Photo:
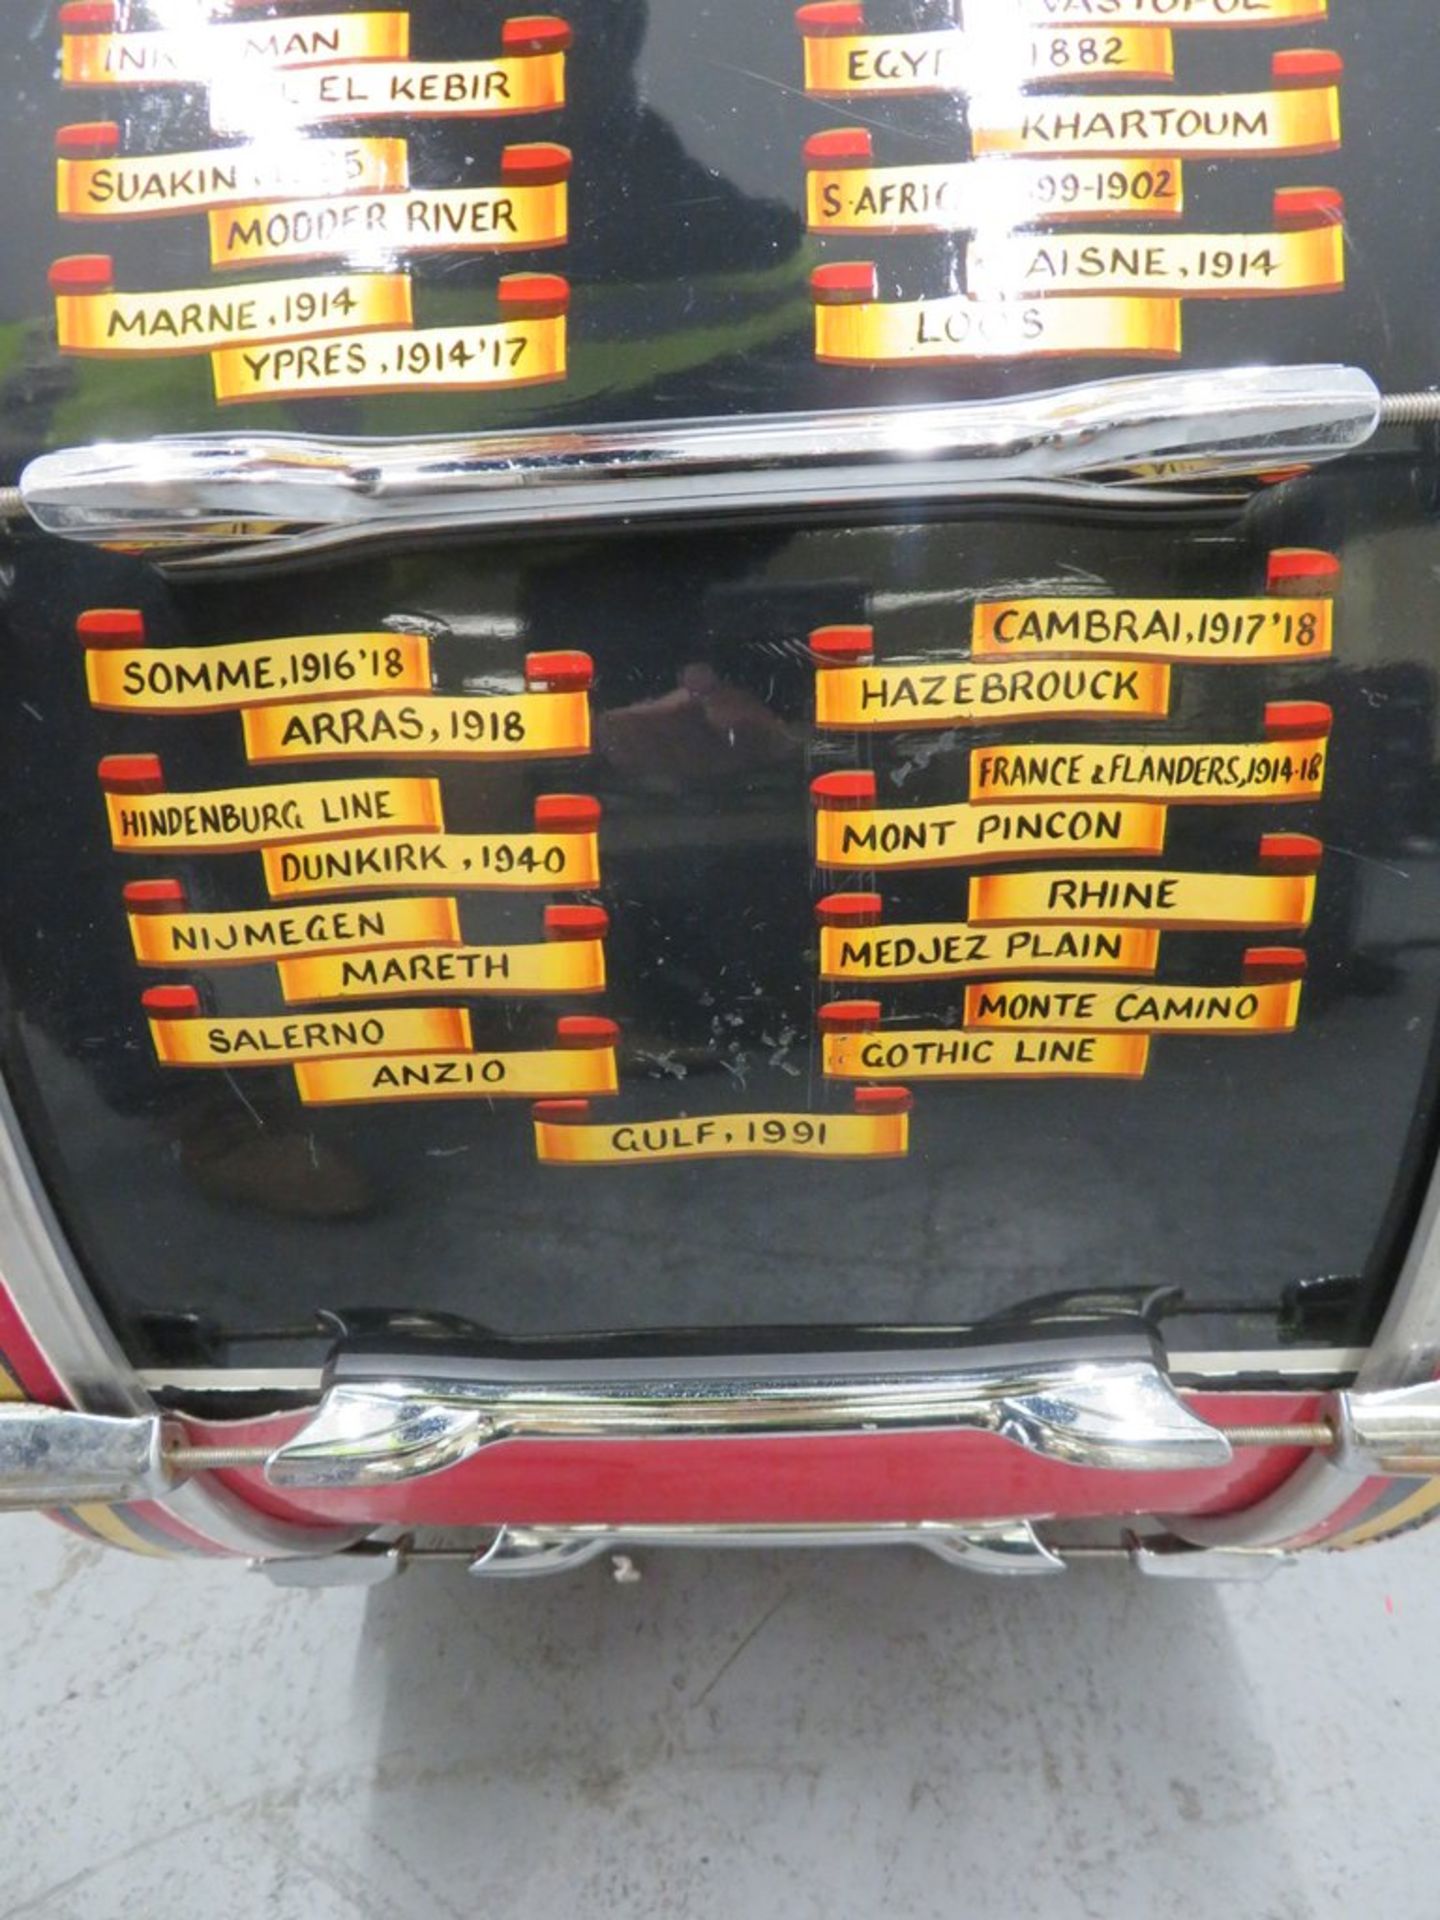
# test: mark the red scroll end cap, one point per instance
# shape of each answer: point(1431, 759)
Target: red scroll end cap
point(848, 1016)
point(840, 147)
point(535, 33)
point(88, 140)
point(566, 813)
point(1266, 966)
point(1306, 67)
point(561, 672)
point(105, 627)
point(533, 296)
point(1302, 571)
point(1291, 853)
point(170, 1003)
point(1298, 720)
point(830, 19)
point(153, 896)
point(883, 1099)
point(1299, 207)
point(855, 789)
point(849, 910)
point(586, 1030)
point(132, 773)
point(842, 646)
point(576, 923)
point(848, 283)
point(563, 1113)
point(535, 163)
point(83, 273)
point(89, 16)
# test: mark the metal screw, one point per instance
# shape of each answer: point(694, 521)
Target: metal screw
point(215, 1459)
point(1409, 409)
point(1313, 1433)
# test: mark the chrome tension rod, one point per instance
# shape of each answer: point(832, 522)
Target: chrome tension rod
point(254, 498)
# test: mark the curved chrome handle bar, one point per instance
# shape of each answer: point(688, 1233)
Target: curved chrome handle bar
point(286, 494)
point(1105, 1404)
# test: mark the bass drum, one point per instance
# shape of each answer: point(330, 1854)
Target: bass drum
point(719, 780)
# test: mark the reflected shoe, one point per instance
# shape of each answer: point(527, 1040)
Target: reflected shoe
point(276, 1171)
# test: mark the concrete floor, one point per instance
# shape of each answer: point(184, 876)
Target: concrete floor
point(855, 1734)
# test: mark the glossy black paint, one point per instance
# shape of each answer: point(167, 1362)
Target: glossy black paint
point(1239, 1167)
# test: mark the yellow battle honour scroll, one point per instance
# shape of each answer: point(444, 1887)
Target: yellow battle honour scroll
point(1301, 251)
point(852, 832)
point(1277, 897)
point(1178, 14)
point(527, 76)
point(1288, 764)
point(165, 931)
point(580, 1063)
point(529, 208)
point(853, 692)
point(857, 942)
point(95, 52)
point(94, 318)
point(850, 189)
point(844, 57)
point(560, 854)
point(854, 1047)
point(569, 958)
point(854, 326)
point(145, 817)
point(1007, 816)
point(94, 180)
point(549, 719)
point(1298, 113)
point(124, 673)
point(526, 345)
point(1267, 1000)
point(184, 1036)
point(1293, 622)
point(877, 1127)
